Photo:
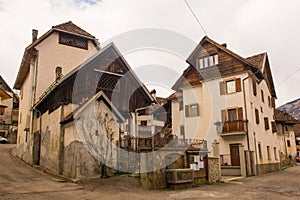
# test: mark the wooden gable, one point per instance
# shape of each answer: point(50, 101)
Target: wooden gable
point(228, 63)
point(107, 72)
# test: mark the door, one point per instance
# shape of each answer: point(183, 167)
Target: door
point(234, 155)
point(36, 148)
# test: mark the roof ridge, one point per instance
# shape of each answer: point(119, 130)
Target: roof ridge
point(72, 28)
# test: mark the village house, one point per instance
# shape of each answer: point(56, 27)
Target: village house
point(229, 101)
point(9, 108)
point(73, 92)
point(285, 125)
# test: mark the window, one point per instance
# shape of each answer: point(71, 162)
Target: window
point(262, 96)
point(58, 72)
point(288, 143)
point(230, 86)
point(273, 127)
point(268, 153)
point(144, 123)
point(259, 151)
point(232, 115)
point(2, 110)
point(261, 109)
point(256, 116)
point(254, 87)
point(266, 123)
point(275, 154)
point(208, 61)
point(72, 40)
point(269, 101)
point(192, 110)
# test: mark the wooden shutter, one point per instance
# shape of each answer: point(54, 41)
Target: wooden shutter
point(223, 115)
point(187, 111)
point(254, 87)
point(274, 127)
point(240, 113)
point(238, 85)
point(222, 88)
point(256, 116)
point(273, 102)
point(266, 123)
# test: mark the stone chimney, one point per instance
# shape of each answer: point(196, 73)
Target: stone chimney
point(34, 34)
point(153, 93)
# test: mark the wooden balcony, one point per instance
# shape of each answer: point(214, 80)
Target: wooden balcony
point(228, 128)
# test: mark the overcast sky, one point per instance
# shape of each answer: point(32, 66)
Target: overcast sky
point(247, 26)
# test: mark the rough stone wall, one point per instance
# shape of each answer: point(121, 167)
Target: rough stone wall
point(214, 170)
point(78, 163)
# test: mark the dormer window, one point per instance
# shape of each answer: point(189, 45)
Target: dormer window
point(208, 61)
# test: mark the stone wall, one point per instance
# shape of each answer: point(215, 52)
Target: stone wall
point(214, 170)
point(267, 168)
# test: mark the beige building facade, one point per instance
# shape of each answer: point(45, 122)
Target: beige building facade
point(226, 99)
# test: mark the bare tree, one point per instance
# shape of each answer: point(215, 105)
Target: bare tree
point(97, 134)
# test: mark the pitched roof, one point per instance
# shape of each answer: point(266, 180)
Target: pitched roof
point(89, 63)
point(257, 60)
point(100, 96)
point(30, 52)
point(281, 116)
point(207, 72)
point(72, 28)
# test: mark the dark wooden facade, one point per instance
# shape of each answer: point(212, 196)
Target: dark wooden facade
point(107, 72)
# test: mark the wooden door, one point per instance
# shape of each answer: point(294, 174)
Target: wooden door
point(234, 155)
point(36, 148)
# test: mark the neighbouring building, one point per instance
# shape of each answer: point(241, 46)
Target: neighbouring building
point(285, 125)
point(228, 100)
point(73, 92)
point(9, 108)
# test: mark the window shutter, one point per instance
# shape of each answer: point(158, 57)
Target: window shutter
point(187, 111)
point(223, 115)
point(273, 102)
point(240, 114)
point(266, 123)
point(238, 85)
point(274, 127)
point(222, 88)
point(254, 87)
point(256, 116)
point(198, 113)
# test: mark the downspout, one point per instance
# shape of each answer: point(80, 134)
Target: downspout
point(284, 139)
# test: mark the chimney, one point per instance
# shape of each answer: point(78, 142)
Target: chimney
point(224, 45)
point(153, 93)
point(34, 34)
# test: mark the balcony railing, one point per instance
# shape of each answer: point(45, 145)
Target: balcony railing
point(236, 126)
point(160, 142)
point(4, 127)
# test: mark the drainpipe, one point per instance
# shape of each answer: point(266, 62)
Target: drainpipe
point(284, 139)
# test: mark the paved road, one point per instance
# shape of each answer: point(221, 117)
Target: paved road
point(19, 181)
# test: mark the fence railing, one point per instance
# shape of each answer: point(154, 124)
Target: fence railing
point(160, 142)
